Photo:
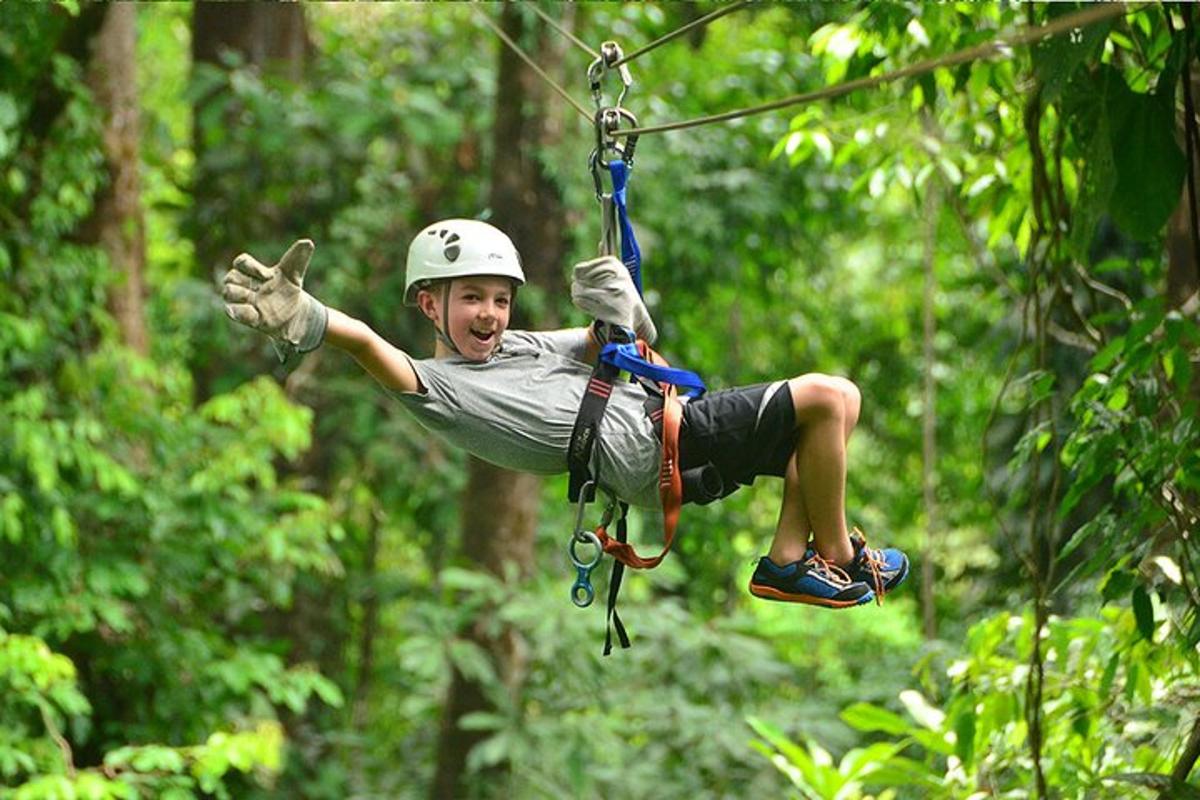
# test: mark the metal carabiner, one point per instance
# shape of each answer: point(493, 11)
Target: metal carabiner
point(626, 147)
point(595, 76)
point(586, 492)
point(611, 52)
point(597, 175)
point(606, 121)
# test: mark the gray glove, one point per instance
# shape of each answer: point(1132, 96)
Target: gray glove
point(273, 300)
point(603, 289)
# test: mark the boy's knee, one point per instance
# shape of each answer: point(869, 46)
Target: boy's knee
point(816, 396)
point(852, 398)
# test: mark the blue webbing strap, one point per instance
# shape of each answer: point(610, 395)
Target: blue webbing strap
point(626, 356)
point(631, 254)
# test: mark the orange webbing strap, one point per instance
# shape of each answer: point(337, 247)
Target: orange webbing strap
point(670, 480)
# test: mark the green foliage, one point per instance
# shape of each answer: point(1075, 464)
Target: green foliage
point(133, 522)
point(142, 535)
point(33, 676)
point(811, 769)
point(1041, 171)
point(1114, 711)
point(1136, 444)
point(193, 554)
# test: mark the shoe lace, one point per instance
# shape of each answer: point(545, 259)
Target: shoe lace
point(828, 569)
point(872, 559)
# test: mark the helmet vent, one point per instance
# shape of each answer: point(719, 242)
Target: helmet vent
point(452, 250)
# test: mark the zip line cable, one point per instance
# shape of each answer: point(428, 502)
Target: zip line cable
point(1081, 19)
point(553, 23)
point(583, 45)
point(998, 45)
point(641, 51)
point(504, 37)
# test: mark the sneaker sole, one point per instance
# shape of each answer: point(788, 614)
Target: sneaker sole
point(771, 593)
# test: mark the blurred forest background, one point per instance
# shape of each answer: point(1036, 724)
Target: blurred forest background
point(222, 578)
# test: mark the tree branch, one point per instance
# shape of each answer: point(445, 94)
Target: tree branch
point(1187, 759)
point(63, 745)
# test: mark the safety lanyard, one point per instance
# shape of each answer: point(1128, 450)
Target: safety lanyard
point(622, 352)
point(625, 355)
point(631, 254)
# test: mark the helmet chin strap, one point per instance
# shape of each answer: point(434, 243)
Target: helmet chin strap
point(441, 332)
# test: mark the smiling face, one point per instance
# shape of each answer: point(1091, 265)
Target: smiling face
point(473, 312)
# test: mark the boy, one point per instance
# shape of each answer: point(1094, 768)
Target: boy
point(511, 397)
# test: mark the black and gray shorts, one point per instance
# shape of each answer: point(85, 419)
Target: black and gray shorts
point(743, 433)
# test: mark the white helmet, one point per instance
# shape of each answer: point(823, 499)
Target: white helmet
point(456, 248)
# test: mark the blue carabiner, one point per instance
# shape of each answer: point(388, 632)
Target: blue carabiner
point(582, 592)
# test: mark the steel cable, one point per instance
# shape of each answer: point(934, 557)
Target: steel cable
point(553, 23)
point(707, 18)
point(1081, 19)
point(504, 37)
point(1000, 44)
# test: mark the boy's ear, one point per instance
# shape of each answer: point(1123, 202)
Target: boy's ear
point(427, 301)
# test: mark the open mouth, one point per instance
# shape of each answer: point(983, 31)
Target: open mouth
point(483, 338)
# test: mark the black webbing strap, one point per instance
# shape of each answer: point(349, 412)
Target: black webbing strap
point(587, 421)
point(579, 464)
point(587, 428)
point(614, 588)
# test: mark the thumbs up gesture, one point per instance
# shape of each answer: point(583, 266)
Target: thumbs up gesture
point(273, 300)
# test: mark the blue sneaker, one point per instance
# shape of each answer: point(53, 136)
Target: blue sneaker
point(883, 569)
point(813, 581)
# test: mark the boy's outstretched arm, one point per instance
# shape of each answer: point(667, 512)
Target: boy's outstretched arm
point(387, 364)
point(272, 300)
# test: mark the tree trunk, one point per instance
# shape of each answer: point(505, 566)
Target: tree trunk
point(499, 508)
point(270, 36)
point(1183, 238)
point(526, 203)
point(499, 518)
point(1183, 273)
point(117, 224)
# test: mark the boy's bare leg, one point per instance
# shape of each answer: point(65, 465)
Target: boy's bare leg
point(826, 412)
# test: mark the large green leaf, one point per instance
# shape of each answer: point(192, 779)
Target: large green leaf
point(1150, 166)
point(1055, 59)
point(1143, 612)
point(1097, 181)
point(964, 732)
point(866, 717)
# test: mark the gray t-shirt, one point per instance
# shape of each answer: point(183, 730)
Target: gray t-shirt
point(517, 409)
